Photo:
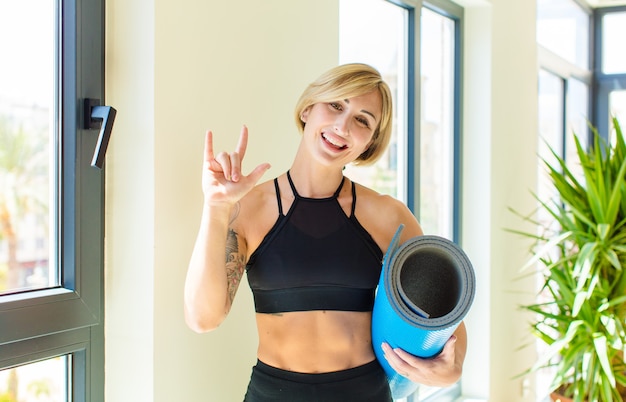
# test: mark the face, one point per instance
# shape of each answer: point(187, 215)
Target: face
point(338, 132)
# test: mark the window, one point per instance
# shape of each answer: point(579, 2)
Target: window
point(44, 379)
point(565, 77)
point(617, 104)
point(439, 119)
point(613, 30)
point(382, 26)
point(416, 47)
point(563, 28)
point(51, 202)
point(611, 68)
point(25, 112)
point(429, 189)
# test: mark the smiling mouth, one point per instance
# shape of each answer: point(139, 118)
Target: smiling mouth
point(333, 143)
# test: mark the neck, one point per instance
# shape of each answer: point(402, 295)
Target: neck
point(315, 182)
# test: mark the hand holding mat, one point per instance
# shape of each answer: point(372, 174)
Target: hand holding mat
point(426, 287)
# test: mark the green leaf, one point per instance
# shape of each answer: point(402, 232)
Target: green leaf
point(584, 263)
point(579, 300)
point(616, 195)
point(594, 195)
point(556, 347)
point(606, 392)
point(599, 341)
point(603, 230)
point(617, 301)
point(613, 259)
point(545, 249)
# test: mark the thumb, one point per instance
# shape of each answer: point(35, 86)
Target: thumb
point(450, 345)
point(256, 174)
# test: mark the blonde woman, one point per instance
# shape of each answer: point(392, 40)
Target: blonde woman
point(311, 242)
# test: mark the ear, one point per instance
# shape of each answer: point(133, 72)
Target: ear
point(305, 114)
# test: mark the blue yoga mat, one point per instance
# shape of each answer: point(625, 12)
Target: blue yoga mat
point(426, 287)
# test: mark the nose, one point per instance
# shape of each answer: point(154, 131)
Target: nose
point(341, 125)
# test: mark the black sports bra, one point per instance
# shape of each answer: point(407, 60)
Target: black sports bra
point(315, 258)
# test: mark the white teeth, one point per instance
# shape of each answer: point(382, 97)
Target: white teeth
point(332, 142)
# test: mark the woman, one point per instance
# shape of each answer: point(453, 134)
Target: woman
point(311, 242)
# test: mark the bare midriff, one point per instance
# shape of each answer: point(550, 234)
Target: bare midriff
point(315, 341)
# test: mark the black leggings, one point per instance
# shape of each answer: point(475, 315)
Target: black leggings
point(367, 383)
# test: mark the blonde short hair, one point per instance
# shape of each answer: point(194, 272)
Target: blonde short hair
point(347, 81)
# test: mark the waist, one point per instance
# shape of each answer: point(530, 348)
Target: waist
point(319, 378)
point(315, 341)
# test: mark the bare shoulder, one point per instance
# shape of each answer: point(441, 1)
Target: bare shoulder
point(256, 214)
point(259, 194)
point(382, 214)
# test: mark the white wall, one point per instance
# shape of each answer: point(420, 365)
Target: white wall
point(130, 205)
point(175, 69)
point(513, 174)
point(499, 170)
point(476, 214)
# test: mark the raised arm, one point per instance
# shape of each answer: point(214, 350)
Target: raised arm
point(218, 258)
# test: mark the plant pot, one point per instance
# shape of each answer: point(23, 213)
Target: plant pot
point(556, 397)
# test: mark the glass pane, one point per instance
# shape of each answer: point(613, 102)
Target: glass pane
point(563, 28)
point(44, 381)
point(551, 108)
point(577, 118)
point(437, 124)
point(27, 93)
point(613, 34)
point(374, 32)
point(617, 108)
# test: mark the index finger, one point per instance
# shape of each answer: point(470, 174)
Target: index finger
point(208, 146)
point(243, 142)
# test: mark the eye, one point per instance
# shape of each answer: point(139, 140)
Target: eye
point(335, 105)
point(363, 121)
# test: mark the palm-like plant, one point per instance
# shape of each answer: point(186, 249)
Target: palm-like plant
point(583, 319)
point(23, 188)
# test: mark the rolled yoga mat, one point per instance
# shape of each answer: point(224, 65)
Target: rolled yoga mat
point(426, 287)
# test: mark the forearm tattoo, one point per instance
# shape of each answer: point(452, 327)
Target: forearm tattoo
point(235, 263)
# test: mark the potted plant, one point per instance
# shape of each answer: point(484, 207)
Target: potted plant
point(581, 254)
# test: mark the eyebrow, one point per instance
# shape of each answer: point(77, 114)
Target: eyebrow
point(363, 110)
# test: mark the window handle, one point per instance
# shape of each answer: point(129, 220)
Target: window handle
point(94, 113)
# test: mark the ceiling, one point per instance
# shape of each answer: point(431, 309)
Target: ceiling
point(605, 3)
